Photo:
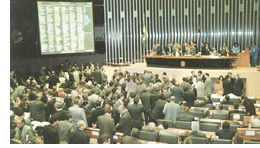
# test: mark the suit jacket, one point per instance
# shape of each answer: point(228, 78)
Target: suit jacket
point(61, 115)
point(200, 86)
point(154, 97)
point(185, 86)
point(178, 93)
point(125, 124)
point(171, 110)
point(78, 114)
point(227, 87)
point(131, 87)
point(204, 51)
point(79, 137)
point(95, 113)
point(131, 140)
point(50, 110)
point(27, 130)
point(136, 111)
point(146, 79)
point(166, 94)
point(157, 109)
point(250, 108)
point(53, 80)
point(108, 101)
point(189, 97)
point(64, 129)
point(50, 135)
point(37, 109)
point(238, 87)
point(208, 84)
point(227, 102)
point(196, 134)
point(185, 117)
point(92, 99)
point(140, 90)
point(145, 97)
point(225, 133)
point(44, 98)
point(97, 76)
point(168, 50)
point(106, 125)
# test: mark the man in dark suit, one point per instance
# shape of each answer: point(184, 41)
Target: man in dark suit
point(225, 132)
point(60, 114)
point(108, 98)
point(155, 96)
point(145, 97)
point(37, 108)
point(157, 110)
point(45, 95)
point(205, 50)
point(53, 80)
point(227, 100)
point(189, 97)
point(98, 111)
point(236, 106)
point(249, 105)
point(50, 110)
point(238, 87)
point(50, 133)
point(133, 138)
point(79, 136)
point(166, 94)
point(140, 88)
point(125, 122)
point(185, 116)
point(106, 124)
point(136, 111)
point(177, 92)
point(168, 49)
point(64, 128)
point(87, 110)
point(227, 86)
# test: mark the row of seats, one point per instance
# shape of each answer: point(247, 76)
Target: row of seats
point(213, 127)
point(234, 100)
point(173, 139)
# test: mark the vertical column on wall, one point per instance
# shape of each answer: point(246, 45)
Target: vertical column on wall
point(246, 22)
point(251, 10)
point(164, 13)
point(242, 23)
point(109, 22)
point(257, 33)
point(174, 22)
point(148, 17)
point(168, 20)
point(139, 14)
point(128, 32)
point(125, 31)
point(122, 31)
point(106, 37)
point(134, 29)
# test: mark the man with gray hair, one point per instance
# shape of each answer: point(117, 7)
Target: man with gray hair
point(238, 86)
point(125, 122)
point(24, 133)
point(60, 114)
point(195, 131)
point(79, 136)
point(235, 120)
point(77, 112)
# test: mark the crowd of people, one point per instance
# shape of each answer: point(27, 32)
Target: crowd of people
point(74, 97)
point(190, 49)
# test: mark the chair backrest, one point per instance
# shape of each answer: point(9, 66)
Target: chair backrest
point(241, 116)
point(149, 136)
point(253, 99)
point(235, 100)
point(197, 140)
point(170, 139)
point(210, 106)
point(183, 125)
point(215, 99)
point(200, 98)
point(226, 106)
point(234, 127)
point(220, 141)
point(209, 127)
point(160, 121)
point(219, 116)
point(251, 142)
point(197, 114)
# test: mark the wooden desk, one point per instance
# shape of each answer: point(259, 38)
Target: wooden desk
point(94, 133)
point(189, 61)
point(249, 134)
point(246, 120)
point(243, 59)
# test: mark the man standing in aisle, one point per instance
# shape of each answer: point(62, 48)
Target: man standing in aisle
point(254, 54)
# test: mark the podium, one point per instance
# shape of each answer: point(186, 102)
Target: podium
point(243, 59)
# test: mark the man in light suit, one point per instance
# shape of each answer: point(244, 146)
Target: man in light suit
point(22, 131)
point(171, 110)
point(131, 86)
point(38, 108)
point(77, 113)
point(140, 88)
point(106, 124)
point(146, 77)
point(208, 84)
point(200, 86)
point(92, 98)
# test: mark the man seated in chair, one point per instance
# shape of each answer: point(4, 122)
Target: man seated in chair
point(133, 138)
point(166, 131)
point(236, 106)
point(219, 110)
point(225, 132)
point(185, 116)
point(235, 120)
point(195, 132)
